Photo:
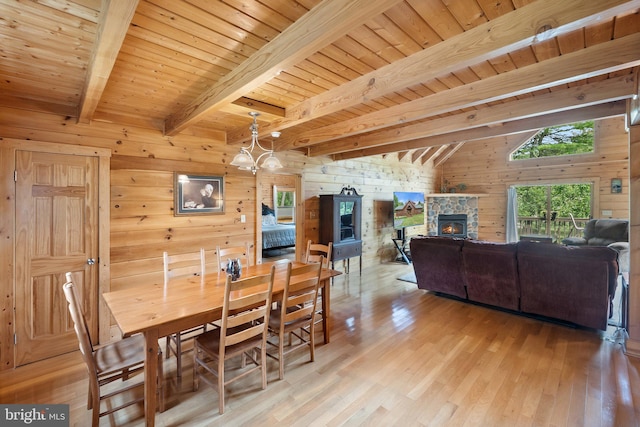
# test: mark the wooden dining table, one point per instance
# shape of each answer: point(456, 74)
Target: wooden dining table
point(156, 310)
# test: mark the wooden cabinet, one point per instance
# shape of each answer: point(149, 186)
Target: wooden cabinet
point(340, 223)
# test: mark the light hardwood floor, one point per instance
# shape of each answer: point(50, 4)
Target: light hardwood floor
point(398, 356)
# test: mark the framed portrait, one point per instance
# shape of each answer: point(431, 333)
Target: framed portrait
point(616, 185)
point(198, 194)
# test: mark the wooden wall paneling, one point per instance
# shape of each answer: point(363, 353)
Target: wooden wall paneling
point(486, 162)
point(7, 239)
point(633, 343)
point(142, 224)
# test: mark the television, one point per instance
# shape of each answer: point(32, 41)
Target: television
point(408, 209)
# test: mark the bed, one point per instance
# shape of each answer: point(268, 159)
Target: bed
point(277, 235)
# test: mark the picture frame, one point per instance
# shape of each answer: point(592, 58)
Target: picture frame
point(616, 185)
point(198, 194)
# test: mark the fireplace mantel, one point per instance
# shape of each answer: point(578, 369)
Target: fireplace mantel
point(454, 195)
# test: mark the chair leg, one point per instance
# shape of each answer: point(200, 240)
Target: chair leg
point(179, 356)
point(168, 347)
point(221, 385)
point(281, 354)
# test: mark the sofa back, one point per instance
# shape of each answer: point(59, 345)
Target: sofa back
point(491, 273)
point(602, 232)
point(569, 283)
point(437, 262)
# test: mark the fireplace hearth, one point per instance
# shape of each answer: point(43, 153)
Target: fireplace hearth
point(452, 225)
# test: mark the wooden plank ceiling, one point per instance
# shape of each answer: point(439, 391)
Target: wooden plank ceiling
point(344, 78)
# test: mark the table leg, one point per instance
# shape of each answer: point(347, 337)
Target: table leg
point(326, 309)
point(150, 375)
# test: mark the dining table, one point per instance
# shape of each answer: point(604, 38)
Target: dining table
point(157, 310)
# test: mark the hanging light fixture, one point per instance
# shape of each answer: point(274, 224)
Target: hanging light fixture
point(245, 160)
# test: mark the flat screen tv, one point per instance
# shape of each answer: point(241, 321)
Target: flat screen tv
point(408, 209)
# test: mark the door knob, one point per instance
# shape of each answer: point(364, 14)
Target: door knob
point(91, 261)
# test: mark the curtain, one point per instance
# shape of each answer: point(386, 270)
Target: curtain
point(512, 215)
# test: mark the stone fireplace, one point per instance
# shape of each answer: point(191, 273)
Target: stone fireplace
point(452, 204)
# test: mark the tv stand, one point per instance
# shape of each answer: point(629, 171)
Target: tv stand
point(404, 255)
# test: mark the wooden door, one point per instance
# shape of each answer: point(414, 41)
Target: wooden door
point(56, 232)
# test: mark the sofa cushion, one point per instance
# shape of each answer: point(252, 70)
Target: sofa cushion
point(437, 262)
point(570, 283)
point(602, 232)
point(491, 273)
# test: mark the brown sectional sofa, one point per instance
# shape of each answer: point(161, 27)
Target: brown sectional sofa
point(571, 284)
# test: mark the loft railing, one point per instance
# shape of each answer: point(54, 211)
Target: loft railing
point(559, 228)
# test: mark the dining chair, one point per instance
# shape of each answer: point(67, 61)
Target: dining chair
point(178, 266)
point(242, 252)
point(120, 360)
point(317, 250)
point(295, 314)
point(575, 226)
point(242, 332)
point(313, 254)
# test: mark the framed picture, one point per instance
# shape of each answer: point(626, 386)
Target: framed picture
point(616, 185)
point(198, 194)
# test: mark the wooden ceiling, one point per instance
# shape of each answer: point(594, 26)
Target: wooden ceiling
point(345, 78)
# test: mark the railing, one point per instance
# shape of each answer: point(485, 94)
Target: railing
point(559, 228)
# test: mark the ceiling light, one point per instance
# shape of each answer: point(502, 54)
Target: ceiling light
point(245, 160)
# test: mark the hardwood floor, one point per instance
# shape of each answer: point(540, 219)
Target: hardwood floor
point(398, 356)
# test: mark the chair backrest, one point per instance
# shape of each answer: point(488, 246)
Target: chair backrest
point(316, 250)
point(300, 293)
point(245, 313)
point(242, 252)
point(81, 328)
point(573, 220)
point(182, 265)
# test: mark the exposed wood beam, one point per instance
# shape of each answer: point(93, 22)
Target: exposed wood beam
point(402, 155)
point(536, 22)
point(575, 66)
point(113, 24)
point(417, 154)
point(570, 116)
point(249, 104)
point(574, 97)
point(446, 155)
point(434, 155)
point(313, 31)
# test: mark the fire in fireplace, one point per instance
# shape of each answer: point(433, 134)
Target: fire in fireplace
point(452, 225)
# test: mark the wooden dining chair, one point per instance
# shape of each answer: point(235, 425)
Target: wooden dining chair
point(296, 313)
point(120, 360)
point(242, 252)
point(243, 332)
point(179, 266)
point(317, 250)
point(314, 252)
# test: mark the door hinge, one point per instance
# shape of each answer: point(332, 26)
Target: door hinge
point(15, 176)
point(15, 339)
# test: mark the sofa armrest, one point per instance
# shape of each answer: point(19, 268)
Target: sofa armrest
point(574, 241)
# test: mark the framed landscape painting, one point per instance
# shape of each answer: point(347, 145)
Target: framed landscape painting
point(198, 194)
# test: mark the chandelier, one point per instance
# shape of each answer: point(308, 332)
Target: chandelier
point(245, 160)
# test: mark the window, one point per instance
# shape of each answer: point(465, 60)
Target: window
point(574, 138)
point(545, 209)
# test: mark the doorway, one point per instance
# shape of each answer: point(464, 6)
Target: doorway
point(57, 220)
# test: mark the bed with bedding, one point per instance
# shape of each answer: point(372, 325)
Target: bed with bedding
point(277, 235)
